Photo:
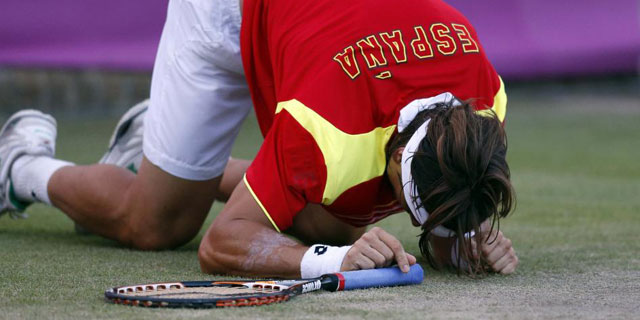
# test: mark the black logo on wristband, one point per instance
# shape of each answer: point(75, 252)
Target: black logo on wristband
point(320, 250)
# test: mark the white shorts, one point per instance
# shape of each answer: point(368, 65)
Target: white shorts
point(199, 96)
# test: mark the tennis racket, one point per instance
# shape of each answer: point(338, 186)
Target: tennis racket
point(234, 293)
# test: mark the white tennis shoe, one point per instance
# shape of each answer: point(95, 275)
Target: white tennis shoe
point(27, 132)
point(125, 146)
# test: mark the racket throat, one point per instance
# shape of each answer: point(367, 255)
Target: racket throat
point(332, 282)
point(312, 286)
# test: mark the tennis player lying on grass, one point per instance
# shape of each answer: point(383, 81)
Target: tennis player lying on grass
point(362, 107)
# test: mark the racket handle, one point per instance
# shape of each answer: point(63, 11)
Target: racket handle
point(383, 277)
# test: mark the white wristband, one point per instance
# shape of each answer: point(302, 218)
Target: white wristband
point(322, 259)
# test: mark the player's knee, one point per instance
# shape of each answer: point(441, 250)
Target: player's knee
point(158, 234)
point(150, 240)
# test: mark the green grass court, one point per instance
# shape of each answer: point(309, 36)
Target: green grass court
point(574, 158)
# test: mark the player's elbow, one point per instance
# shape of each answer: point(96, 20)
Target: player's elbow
point(204, 257)
point(209, 257)
point(211, 253)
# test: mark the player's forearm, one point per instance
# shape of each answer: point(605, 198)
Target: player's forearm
point(246, 248)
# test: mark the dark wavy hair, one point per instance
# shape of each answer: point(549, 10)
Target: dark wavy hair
point(461, 173)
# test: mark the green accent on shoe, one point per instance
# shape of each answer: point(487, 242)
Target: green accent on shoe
point(19, 204)
point(132, 168)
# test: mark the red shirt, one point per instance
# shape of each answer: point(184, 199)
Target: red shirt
point(328, 79)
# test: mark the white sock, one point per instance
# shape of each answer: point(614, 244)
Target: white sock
point(30, 176)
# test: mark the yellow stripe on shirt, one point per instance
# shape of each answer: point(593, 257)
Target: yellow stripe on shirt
point(499, 104)
point(351, 159)
point(266, 213)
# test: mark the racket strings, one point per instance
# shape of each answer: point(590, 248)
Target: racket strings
point(198, 292)
point(205, 295)
point(220, 295)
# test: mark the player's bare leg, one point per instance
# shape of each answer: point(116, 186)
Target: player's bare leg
point(150, 210)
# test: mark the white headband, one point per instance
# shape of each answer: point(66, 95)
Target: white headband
point(410, 111)
point(410, 190)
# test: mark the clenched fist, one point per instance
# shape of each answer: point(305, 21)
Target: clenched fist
point(497, 252)
point(375, 249)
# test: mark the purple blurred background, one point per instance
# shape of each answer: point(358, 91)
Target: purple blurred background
point(523, 38)
point(529, 38)
point(110, 34)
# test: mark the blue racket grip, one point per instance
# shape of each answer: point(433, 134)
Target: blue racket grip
point(383, 277)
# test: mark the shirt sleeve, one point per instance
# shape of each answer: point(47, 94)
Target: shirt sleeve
point(287, 173)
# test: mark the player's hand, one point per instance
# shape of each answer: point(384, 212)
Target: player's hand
point(497, 252)
point(375, 249)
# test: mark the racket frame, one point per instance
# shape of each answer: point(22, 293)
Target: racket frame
point(274, 291)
